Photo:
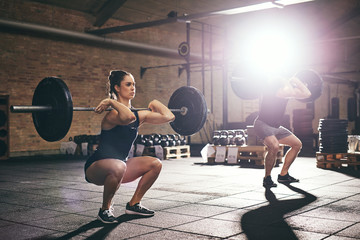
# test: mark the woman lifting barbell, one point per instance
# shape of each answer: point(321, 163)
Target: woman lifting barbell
point(109, 166)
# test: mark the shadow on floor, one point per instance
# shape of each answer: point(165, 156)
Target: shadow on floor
point(348, 171)
point(268, 222)
point(102, 233)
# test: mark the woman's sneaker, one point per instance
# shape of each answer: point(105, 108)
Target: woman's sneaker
point(106, 216)
point(137, 209)
point(287, 179)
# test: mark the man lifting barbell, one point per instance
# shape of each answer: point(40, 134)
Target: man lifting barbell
point(305, 85)
point(109, 165)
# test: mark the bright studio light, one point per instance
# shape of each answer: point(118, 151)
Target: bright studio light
point(269, 51)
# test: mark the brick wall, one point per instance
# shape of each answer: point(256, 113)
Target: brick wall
point(27, 59)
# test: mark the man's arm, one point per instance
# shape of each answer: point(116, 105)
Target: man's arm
point(294, 88)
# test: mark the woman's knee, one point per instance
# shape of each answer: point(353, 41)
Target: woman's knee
point(156, 164)
point(118, 172)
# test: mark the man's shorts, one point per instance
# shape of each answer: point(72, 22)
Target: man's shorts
point(263, 130)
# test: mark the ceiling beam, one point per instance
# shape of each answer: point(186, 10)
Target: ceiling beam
point(246, 6)
point(355, 12)
point(107, 11)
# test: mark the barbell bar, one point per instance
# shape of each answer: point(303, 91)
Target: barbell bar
point(31, 109)
point(249, 86)
point(52, 109)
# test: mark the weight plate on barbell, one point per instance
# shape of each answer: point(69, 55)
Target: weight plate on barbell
point(196, 115)
point(3, 148)
point(313, 81)
point(53, 125)
point(3, 118)
point(245, 88)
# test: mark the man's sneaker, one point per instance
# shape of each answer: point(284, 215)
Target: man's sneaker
point(106, 216)
point(137, 209)
point(287, 179)
point(268, 182)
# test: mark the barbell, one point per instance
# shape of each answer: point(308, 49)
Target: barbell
point(52, 109)
point(248, 86)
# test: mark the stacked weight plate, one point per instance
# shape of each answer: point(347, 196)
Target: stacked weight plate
point(302, 125)
point(333, 136)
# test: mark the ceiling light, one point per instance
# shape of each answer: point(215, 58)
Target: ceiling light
point(261, 6)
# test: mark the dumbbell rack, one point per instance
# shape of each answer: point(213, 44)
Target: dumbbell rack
point(174, 152)
point(249, 155)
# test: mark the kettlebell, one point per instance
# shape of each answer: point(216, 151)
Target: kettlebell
point(239, 138)
point(215, 139)
point(224, 140)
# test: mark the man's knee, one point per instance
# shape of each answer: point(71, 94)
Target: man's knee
point(297, 146)
point(273, 148)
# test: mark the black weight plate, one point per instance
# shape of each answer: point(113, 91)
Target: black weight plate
point(314, 83)
point(332, 125)
point(337, 129)
point(332, 121)
point(330, 134)
point(194, 101)
point(53, 125)
point(3, 118)
point(351, 109)
point(333, 141)
point(3, 133)
point(245, 88)
point(246, 84)
point(3, 148)
point(332, 150)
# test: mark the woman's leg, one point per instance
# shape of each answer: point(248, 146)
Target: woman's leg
point(148, 168)
point(108, 173)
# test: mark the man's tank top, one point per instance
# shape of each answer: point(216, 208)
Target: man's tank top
point(272, 108)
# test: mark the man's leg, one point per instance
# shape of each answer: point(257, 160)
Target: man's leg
point(272, 145)
point(295, 147)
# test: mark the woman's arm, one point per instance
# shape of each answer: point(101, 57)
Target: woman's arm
point(294, 88)
point(121, 115)
point(159, 114)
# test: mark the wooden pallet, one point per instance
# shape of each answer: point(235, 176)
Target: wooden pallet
point(175, 152)
point(250, 155)
point(338, 160)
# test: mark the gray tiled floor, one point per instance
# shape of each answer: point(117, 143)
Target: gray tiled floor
point(48, 198)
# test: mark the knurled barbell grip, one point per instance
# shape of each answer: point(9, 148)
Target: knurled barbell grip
point(182, 110)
